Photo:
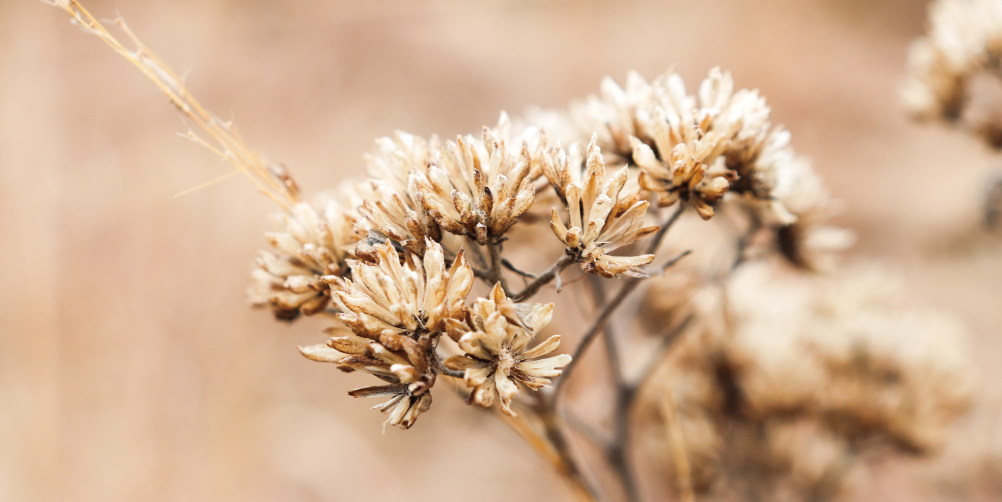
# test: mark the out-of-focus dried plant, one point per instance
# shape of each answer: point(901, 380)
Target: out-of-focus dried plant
point(744, 337)
point(955, 75)
point(748, 389)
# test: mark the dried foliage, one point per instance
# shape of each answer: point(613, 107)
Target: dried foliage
point(748, 388)
point(738, 402)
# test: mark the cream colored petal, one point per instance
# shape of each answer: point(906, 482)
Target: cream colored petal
point(544, 347)
point(321, 353)
point(507, 390)
point(483, 395)
point(545, 368)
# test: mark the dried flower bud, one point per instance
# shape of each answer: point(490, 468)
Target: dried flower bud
point(406, 362)
point(480, 187)
point(392, 298)
point(392, 204)
point(601, 218)
point(496, 360)
point(314, 242)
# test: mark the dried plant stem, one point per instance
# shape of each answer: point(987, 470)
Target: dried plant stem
point(993, 204)
point(552, 446)
point(497, 275)
point(617, 451)
point(658, 237)
point(628, 287)
point(271, 181)
point(626, 392)
point(683, 470)
point(545, 278)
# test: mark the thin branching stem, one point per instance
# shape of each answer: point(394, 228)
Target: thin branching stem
point(617, 450)
point(569, 467)
point(624, 291)
point(658, 237)
point(510, 266)
point(543, 279)
point(661, 351)
point(497, 275)
point(269, 180)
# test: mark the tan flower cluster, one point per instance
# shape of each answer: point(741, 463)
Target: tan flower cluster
point(401, 309)
point(747, 390)
point(385, 267)
point(315, 241)
point(397, 312)
point(392, 204)
point(497, 358)
point(479, 188)
point(964, 38)
point(601, 218)
point(691, 148)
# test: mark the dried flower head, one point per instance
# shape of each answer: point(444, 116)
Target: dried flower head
point(965, 37)
point(392, 204)
point(313, 243)
point(890, 377)
point(390, 297)
point(601, 218)
point(811, 241)
point(497, 359)
point(401, 309)
point(407, 363)
point(479, 188)
point(690, 148)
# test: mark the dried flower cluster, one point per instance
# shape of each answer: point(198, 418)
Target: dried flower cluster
point(395, 258)
point(951, 64)
point(747, 390)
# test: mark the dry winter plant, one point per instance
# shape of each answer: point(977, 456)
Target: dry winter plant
point(956, 76)
point(689, 209)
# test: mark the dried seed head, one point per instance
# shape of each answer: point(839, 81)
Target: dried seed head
point(316, 240)
point(603, 213)
point(480, 187)
point(497, 358)
point(397, 309)
point(391, 204)
point(964, 39)
point(390, 297)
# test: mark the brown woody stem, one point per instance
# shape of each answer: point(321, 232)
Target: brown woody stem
point(497, 275)
point(545, 278)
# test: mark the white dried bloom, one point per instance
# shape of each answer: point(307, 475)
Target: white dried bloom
point(392, 204)
point(315, 241)
point(400, 310)
point(901, 375)
point(479, 188)
point(497, 358)
point(601, 218)
point(810, 241)
point(390, 297)
point(965, 37)
point(806, 368)
point(616, 115)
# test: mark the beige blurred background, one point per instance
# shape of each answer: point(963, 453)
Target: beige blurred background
point(130, 366)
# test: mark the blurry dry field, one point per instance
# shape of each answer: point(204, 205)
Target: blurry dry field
point(130, 365)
